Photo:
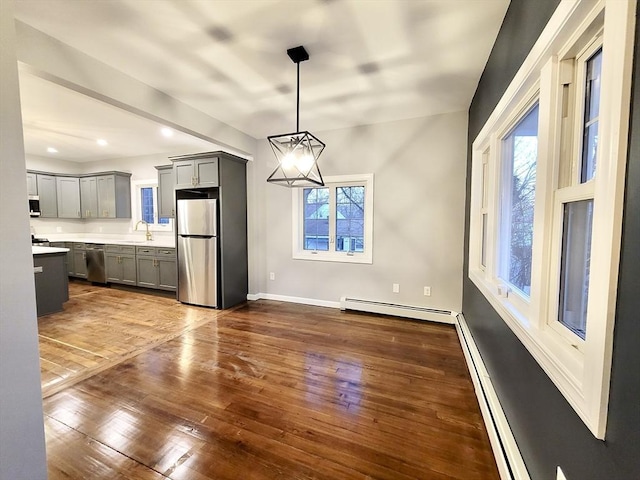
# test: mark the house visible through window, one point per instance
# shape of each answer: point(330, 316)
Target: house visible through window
point(334, 222)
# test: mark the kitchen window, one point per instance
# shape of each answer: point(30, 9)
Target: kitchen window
point(146, 206)
point(547, 190)
point(335, 222)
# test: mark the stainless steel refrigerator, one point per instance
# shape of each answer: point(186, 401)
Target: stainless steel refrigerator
point(197, 244)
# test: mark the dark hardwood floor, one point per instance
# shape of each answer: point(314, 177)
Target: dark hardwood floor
point(272, 390)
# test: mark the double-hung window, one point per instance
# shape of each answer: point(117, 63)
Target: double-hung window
point(547, 190)
point(334, 222)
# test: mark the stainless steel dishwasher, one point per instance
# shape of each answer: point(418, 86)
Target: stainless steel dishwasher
point(95, 263)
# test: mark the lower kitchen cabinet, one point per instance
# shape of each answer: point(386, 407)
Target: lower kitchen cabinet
point(68, 259)
point(156, 268)
point(79, 261)
point(120, 264)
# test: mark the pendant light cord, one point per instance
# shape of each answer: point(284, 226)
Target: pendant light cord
point(298, 101)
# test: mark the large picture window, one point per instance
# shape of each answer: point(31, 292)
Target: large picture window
point(547, 190)
point(334, 222)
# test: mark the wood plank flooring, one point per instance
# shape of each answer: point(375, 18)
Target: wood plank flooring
point(101, 326)
point(267, 391)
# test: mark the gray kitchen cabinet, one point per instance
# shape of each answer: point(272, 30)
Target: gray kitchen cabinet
point(79, 260)
point(195, 172)
point(68, 197)
point(147, 275)
point(89, 197)
point(51, 282)
point(167, 268)
point(114, 195)
point(68, 259)
point(120, 264)
point(156, 268)
point(232, 197)
point(166, 192)
point(32, 184)
point(48, 196)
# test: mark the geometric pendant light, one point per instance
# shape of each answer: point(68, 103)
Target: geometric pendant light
point(297, 153)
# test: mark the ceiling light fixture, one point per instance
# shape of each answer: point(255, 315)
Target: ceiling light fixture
point(102, 142)
point(51, 150)
point(297, 153)
point(167, 132)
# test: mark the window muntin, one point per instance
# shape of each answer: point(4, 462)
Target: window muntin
point(519, 160)
point(575, 266)
point(334, 222)
point(591, 116)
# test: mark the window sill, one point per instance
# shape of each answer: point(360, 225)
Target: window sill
point(563, 364)
point(334, 257)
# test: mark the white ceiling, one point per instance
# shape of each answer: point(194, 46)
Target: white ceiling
point(371, 61)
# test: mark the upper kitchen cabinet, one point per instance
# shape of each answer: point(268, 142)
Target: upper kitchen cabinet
point(114, 195)
point(68, 193)
point(89, 197)
point(166, 194)
point(195, 171)
point(48, 197)
point(32, 184)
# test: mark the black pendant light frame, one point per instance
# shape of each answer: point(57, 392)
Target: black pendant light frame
point(285, 144)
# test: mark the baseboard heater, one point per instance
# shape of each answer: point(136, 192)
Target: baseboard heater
point(509, 460)
point(398, 310)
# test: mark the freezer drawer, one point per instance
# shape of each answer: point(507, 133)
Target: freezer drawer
point(197, 270)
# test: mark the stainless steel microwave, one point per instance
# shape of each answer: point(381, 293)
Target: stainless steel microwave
point(34, 205)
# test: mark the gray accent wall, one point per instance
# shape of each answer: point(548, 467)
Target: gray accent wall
point(548, 432)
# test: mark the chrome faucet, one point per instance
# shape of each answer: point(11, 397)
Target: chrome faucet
point(148, 234)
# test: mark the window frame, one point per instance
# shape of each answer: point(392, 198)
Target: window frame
point(333, 182)
point(136, 209)
point(577, 29)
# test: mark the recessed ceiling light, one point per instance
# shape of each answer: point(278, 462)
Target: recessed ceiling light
point(102, 142)
point(167, 132)
point(51, 150)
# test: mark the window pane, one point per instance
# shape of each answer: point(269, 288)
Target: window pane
point(591, 116)
point(146, 196)
point(483, 259)
point(520, 153)
point(350, 219)
point(574, 272)
point(316, 218)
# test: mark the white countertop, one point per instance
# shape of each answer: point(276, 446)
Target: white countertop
point(35, 250)
point(135, 240)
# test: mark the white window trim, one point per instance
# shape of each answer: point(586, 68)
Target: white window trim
point(136, 211)
point(582, 376)
point(299, 253)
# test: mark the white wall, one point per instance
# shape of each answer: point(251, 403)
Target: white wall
point(419, 169)
point(22, 447)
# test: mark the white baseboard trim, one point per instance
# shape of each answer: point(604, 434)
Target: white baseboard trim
point(505, 449)
point(286, 298)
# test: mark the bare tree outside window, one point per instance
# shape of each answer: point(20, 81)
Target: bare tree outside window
point(520, 154)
